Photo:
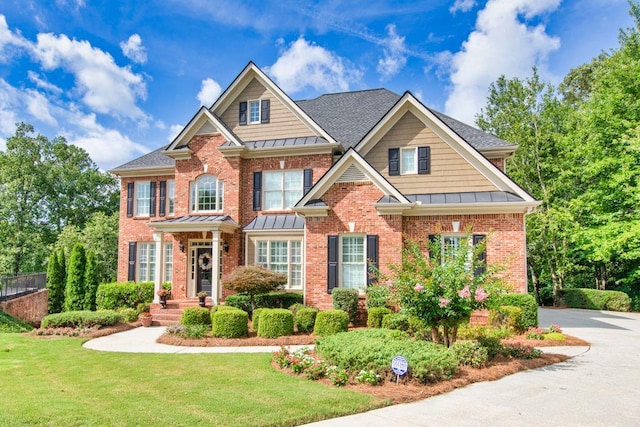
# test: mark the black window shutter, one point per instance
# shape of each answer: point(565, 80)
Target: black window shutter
point(372, 258)
point(332, 263)
point(152, 202)
point(481, 268)
point(163, 199)
point(265, 109)
point(129, 199)
point(432, 244)
point(424, 160)
point(257, 191)
point(242, 113)
point(394, 161)
point(132, 262)
point(308, 180)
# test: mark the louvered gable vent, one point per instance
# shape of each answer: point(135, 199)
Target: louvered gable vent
point(352, 174)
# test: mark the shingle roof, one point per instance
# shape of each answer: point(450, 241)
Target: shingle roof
point(153, 159)
point(276, 222)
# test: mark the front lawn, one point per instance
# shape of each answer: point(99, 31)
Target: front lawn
point(57, 382)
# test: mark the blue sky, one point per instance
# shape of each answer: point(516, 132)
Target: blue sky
point(121, 78)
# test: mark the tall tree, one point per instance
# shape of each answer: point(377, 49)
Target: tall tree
point(75, 291)
point(91, 282)
point(55, 284)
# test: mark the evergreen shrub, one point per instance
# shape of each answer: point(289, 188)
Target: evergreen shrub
point(305, 319)
point(595, 299)
point(331, 322)
point(375, 315)
point(110, 296)
point(346, 299)
point(275, 322)
point(397, 321)
point(81, 319)
point(195, 316)
point(528, 305)
point(230, 323)
point(507, 316)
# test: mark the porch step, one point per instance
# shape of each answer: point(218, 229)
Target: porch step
point(171, 315)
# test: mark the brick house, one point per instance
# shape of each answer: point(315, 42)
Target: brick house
point(317, 189)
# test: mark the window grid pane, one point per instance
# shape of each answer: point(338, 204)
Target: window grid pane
point(143, 198)
point(206, 194)
point(254, 111)
point(262, 255)
point(408, 161)
point(171, 191)
point(353, 262)
point(168, 262)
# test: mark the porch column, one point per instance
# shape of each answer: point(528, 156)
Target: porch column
point(158, 238)
point(215, 267)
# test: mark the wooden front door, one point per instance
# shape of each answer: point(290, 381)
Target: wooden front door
point(204, 269)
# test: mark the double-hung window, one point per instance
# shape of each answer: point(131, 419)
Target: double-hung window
point(171, 197)
point(168, 262)
point(408, 161)
point(207, 194)
point(282, 189)
point(146, 262)
point(282, 256)
point(353, 262)
point(254, 111)
point(143, 198)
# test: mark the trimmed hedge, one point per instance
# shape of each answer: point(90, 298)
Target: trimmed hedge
point(231, 323)
point(346, 299)
point(111, 296)
point(528, 305)
point(127, 314)
point(270, 300)
point(331, 322)
point(275, 322)
point(396, 321)
point(255, 318)
point(507, 316)
point(595, 299)
point(375, 315)
point(195, 316)
point(373, 349)
point(305, 319)
point(80, 319)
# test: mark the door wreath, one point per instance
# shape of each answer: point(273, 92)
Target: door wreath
point(204, 261)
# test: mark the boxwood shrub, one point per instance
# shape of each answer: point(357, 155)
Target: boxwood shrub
point(305, 319)
point(127, 314)
point(275, 322)
point(81, 319)
point(507, 316)
point(331, 322)
point(373, 349)
point(255, 319)
point(346, 299)
point(595, 299)
point(375, 315)
point(230, 323)
point(397, 321)
point(269, 300)
point(111, 296)
point(195, 316)
point(528, 305)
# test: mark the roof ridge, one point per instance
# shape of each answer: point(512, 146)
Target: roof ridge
point(346, 92)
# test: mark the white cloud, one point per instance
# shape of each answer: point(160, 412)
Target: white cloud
point(134, 50)
point(174, 130)
point(305, 64)
point(501, 43)
point(394, 54)
point(3, 144)
point(38, 107)
point(462, 5)
point(209, 91)
point(105, 87)
point(43, 84)
point(9, 41)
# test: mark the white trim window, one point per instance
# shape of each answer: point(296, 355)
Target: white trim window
point(282, 189)
point(283, 256)
point(206, 194)
point(168, 262)
point(409, 161)
point(353, 262)
point(254, 111)
point(146, 262)
point(171, 197)
point(143, 198)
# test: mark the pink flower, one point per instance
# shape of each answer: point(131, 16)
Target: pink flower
point(418, 288)
point(389, 283)
point(481, 295)
point(443, 302)
point(465, 292)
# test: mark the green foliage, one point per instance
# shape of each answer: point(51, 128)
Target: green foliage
point(9, 324)
point(268, 300)
point(396, 321)
point(128, 294)
point(493, 345)
point(295, 307)
point(554, 336)
point(347, 300)
point(195, 331)
point(81, 319)
point(522, 351)
point(331, 322)
point(143, 307)
point(375, 315)
point(275, 322)
point(255, 319)
point(419, 329)
point(90, 282)
point(195, 316)
point(127, 314)
point(594, 299)
point(230, 323)
point(253, 280)
point(75, 291)
point(305, 319)
point(379, 295)
point(507, 316)
point(373, 349)
point(528, 305)
point(55, 283)
point(470, 353)
point(474, 332)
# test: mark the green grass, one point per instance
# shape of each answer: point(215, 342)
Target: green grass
point(57, 382)
point(13, 324)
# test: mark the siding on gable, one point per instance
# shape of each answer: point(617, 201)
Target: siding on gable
point(282, 124)
point(450, 172)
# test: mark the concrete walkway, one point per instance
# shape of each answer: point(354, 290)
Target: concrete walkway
point(599, 387)
point(143, 340)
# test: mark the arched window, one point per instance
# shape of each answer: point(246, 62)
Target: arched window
point(206, 194)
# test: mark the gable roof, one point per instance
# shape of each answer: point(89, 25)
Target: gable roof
point(151, 163)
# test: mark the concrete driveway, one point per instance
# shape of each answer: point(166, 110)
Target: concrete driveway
point(600, 387)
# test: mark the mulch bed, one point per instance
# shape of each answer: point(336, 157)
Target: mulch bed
point(250, 341)
point(96, 332)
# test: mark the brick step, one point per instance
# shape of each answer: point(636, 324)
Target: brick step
point(172, 317)
point(164, 322)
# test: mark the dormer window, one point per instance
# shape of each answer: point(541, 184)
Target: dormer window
point(253, 112)
point(206, 194)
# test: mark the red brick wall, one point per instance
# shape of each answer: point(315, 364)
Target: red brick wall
point(499, 163)
point(30, 308)
point(505, 234)
point(352, 202)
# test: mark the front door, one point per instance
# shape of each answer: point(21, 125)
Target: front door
point(204, 270)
